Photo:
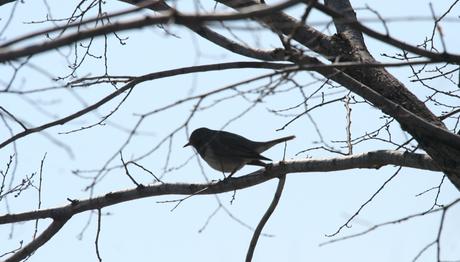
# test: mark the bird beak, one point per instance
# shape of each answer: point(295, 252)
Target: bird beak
point(187, 144)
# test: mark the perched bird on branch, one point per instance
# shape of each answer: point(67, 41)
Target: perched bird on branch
point(228, 152)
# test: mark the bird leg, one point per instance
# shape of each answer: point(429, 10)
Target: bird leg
point(232, 173)
point(223, 173)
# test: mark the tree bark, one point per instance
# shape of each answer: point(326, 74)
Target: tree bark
point(380, 80)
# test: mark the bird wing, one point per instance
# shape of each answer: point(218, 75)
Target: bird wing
point(233, 145)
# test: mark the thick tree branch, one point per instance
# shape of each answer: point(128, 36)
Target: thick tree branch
point(401, 114)
point(61, 215)
point(444, 152)
point(349, 13)
point(351, 21)
point(374, 160)
point(4, 2)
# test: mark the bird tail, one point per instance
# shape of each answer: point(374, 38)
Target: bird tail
point(268, 144)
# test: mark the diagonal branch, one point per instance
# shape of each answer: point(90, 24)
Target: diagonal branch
point(140, 79)
point(282, 23)
point(401, 114)
point(220, 40)
point(52, 229)
point(170, 16)
point(354, 23)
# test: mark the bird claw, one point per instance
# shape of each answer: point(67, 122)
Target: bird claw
point(268, 166)
point(226, 179)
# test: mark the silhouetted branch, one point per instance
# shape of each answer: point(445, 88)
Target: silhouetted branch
point(444, 57)
point(134, 82)
point(46, 235)
point(373, 160)
point(170, 16)
point(266, 216)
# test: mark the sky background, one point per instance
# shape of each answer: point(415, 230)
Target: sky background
point(312, 205)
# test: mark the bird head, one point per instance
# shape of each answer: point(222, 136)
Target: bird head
point(199, 137)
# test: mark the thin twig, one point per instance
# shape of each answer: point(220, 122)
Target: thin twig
point(127, 171)
point(346, 224)
point(263, 221)
point(179, 201)
point(39, 206)
point(348, 126)
point(13, 117)
point(96, 241)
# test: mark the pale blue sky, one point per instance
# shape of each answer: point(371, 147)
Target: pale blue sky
point(312, 205)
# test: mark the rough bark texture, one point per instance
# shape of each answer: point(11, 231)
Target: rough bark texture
point(348, 45)
point(380, 80)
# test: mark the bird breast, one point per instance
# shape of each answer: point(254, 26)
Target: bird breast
point(227, 164)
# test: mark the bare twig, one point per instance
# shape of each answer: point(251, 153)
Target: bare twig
point(146, 170)
point(309, 110)
point(169, 16)
point(393, 222)
point(266, 216)
point(179, 201)
point(127, 171)
point(346, 224)
point(39, 206)
point(132, 84)
point(348, 126)
point(13, 117)
point(96, 241)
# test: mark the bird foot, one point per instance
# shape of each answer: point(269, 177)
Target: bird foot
point(268, 166)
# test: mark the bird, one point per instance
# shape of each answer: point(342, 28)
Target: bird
point(229, 152)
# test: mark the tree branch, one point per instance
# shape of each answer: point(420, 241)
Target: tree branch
point(140, 79)
point(169, 16)
point(263, 221)
point(62, 214)
point(439, 142)
point(277, 54)
point(281, 22)
point(52, 229)
point(373, 159)
point(354, 23)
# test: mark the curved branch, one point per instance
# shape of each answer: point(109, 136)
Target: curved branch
point(52, 229)
point(220, 40)
point(373, 159)
point(281, 22)
point(170, 16)
point(133, 83)
point(140, 6)
point(263, 221)
point(443, 208)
